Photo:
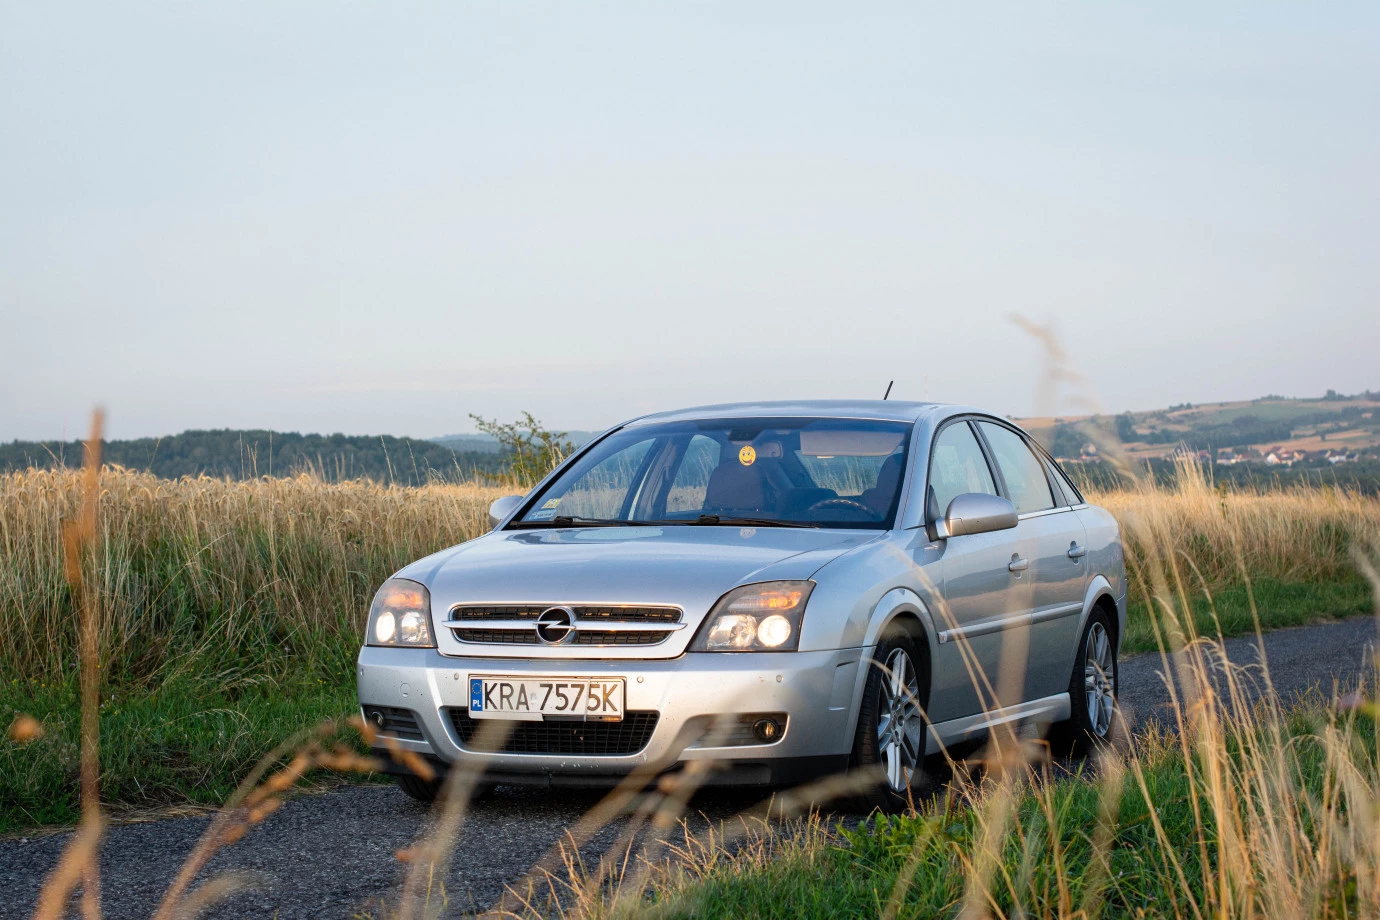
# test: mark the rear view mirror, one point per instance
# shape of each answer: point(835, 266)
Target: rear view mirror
point(976, 512)
point(502, 507)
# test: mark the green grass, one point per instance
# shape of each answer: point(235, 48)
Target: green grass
point(184, 743)
point(1048, 864)
point(1280, 604)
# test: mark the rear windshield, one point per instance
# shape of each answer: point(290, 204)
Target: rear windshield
point(821, 472)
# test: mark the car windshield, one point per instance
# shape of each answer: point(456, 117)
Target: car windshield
point(788, 472)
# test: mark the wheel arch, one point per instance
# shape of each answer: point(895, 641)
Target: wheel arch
point(898, 607)
point(1099, 596)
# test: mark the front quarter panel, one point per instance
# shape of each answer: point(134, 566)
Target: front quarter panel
point(846, 604)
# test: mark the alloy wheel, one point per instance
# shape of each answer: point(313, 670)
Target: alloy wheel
point(900, 724)
point(1098, 680)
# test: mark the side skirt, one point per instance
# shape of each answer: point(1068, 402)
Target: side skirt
point(1055, 708)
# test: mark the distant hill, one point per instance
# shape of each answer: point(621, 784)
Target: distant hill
point(1301, 429)
point(247, 454)
point(484, 443)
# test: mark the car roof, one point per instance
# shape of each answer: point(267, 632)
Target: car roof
point(889, 410)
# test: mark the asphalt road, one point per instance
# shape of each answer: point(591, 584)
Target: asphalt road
point(333, 854)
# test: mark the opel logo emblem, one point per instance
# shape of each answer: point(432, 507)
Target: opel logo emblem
point(556, 625)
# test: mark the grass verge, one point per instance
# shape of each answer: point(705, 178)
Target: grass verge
point(1280, 604)
point(184, 743)
point(1144, 840)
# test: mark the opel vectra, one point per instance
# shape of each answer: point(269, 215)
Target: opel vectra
point(789, 590)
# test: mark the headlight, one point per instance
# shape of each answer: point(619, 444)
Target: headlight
point(756, 618)
point(401, 615)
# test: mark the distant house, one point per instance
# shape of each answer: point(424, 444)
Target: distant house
point(1227, 457)
point(1282, 457)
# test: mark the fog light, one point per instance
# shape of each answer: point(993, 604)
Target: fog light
point(767, 730)
point(376, 716)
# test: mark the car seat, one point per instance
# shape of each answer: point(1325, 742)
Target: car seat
point(881, 495)
point(735, 489)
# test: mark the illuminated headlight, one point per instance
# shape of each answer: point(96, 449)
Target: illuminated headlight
point(401, 615)
point(763, 618)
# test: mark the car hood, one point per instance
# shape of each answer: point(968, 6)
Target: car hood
point(684, 566)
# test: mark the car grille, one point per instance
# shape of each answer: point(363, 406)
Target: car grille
point(590, 739)
point(467, 624)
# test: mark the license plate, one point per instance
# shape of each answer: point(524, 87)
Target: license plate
point(536, 698)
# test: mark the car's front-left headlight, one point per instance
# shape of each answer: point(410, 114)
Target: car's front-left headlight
point(764, 617)
point(401, 615)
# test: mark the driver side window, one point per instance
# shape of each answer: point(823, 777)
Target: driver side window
point(957, 465)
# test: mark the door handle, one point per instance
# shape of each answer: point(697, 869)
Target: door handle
point(1076, 551)
point(1018, 564)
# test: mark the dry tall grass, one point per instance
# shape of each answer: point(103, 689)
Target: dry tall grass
point(239, 580)
point(1222, 533)
point(211, 574)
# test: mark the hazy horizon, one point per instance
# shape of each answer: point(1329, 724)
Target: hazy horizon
point(546, 423)
point(320, 218)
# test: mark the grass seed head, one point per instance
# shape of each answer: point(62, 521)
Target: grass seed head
point(24, 729)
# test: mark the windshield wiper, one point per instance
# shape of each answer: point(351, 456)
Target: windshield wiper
point(749, 521)
point(575, 520)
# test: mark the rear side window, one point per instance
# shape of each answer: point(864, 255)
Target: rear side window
point(1022, 470)
point(1071, 493)
point(957, 466)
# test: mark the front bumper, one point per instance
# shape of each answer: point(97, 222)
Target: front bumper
point(692, 695)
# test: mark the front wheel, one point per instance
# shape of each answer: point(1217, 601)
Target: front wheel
point(1092, 692)
point(891, 721)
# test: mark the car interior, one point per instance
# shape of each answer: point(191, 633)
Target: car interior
point(815, 472)
point(786, 480)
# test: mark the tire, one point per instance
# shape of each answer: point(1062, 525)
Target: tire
point(1093, 718)
point(900, 755)
point(420, 789)
point(429, 791)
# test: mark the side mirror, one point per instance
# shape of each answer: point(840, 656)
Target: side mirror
point(976, 512)
point(502, 507)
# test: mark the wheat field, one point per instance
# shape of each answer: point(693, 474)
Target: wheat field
point(234, 578)
point(198, 574)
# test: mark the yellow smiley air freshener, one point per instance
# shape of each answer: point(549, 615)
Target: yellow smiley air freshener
point(747, 456)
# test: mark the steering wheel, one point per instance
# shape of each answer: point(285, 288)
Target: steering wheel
point(845, 503)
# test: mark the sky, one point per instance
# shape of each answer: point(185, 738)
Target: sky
point(379, 218)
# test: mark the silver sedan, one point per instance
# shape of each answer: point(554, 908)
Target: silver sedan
point(783, 590)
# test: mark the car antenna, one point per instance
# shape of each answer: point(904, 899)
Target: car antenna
point(888, 390)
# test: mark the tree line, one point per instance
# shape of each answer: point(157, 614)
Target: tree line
point(248, 454)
